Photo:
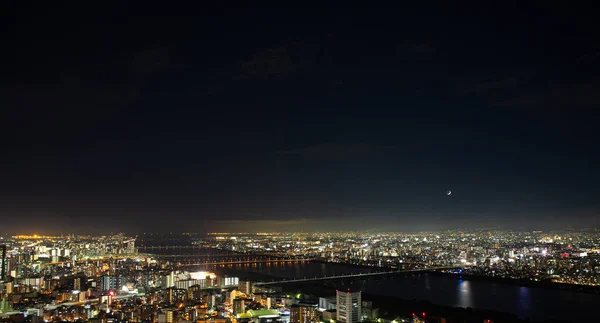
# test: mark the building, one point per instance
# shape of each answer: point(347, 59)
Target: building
point(368, 312)
point(3, 263)
point(238, 306)
point(110, 283)
point(227, 281)
point(34, 282)
point(187, 283)
point(212, 301)
point(327, 303)
point(233, 295)
point(170, 280)
point(301, 313)
point(329, 315)
point(261, 316)
point(348, 306)
point(245, 287)
point(80, 282)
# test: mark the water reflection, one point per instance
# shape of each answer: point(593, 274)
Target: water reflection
point(464, 295)
point(524, 302)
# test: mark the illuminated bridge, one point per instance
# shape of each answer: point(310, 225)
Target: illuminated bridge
point(371, 274)
point(171, 247)
point(191, 255)
point(255, 261)
point(85, 260)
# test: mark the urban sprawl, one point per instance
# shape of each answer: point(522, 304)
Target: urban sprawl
point(177, 277)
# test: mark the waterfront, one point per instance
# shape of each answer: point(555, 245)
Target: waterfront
point(526, 302)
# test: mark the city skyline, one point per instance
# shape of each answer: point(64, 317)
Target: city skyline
point(152, 119)
point(302, 277)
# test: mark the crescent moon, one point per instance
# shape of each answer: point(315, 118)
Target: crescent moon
point(449, 192)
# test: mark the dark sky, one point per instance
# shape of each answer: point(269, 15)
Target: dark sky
point(135, 118)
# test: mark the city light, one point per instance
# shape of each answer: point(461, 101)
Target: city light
point(202, 275)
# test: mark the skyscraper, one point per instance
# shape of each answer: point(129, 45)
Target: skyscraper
point(110, 283)
point(238, 306)
point(348, 306)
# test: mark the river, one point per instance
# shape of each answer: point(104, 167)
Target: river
point(536, 304)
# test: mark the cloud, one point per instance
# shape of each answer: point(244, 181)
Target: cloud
point(334, 151)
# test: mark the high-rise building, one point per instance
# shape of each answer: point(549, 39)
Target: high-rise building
point(238, 306)
point(348, 306)
point(245, 287)
point(212, 301)
point(233, 295)
point(301, 313)
point(170, 280)
point(110, 283)
point(79, 283)
point(169, 316)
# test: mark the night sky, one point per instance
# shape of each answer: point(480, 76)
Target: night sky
point(132, 118)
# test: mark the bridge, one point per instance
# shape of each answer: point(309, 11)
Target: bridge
point(209, 255)
point(101, 258)
point(51, 307)
point(171, 247)
point(256, 261)
point(371, 274)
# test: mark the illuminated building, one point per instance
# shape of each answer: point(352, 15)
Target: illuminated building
point(202, 275)
point(348, 306)
point(368, 312)
point(327, 303)
point(245, 287)
point(303, 314)
point(79, 283)
point(170, 280)
point(166, 317)
point(238, 306)
point(233, 295)
point(169, 316)
point(227, 281)
point(9, 288)
point(110, 282)
point(3, 264)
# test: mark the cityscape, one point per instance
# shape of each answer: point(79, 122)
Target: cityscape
point(216, 277)
point(329, 162)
